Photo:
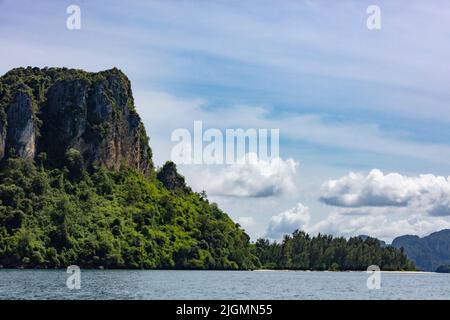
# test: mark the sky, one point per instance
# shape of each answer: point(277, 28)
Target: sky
point(363, 114)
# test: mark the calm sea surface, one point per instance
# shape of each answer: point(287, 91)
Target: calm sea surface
point(126, 284)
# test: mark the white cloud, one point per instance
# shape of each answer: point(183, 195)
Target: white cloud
point(251, 178)
point(377, 204)
point(288, 221)
point(250, 225)
point(246, 222)
point(425, 193)
point(347, 223)
point(378, 225)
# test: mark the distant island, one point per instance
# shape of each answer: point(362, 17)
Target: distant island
point(430, 253)
point(78, 186)
point(443, 269)
point(324, 252)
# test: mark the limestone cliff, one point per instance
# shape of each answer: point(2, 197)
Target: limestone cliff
point(52, 110)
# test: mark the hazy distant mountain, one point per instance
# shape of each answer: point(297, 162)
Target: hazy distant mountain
point(429, 252)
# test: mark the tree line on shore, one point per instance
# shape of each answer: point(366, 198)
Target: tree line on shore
point(300, 251)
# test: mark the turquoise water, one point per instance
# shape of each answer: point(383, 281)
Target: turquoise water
point(140, 284)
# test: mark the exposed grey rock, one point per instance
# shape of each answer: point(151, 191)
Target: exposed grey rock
point(21, 136)
point(93, 113)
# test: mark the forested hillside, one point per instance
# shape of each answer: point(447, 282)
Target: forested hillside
point(78, 186)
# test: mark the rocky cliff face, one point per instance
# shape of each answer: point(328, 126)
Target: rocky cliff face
point(21, 130)
point(52, 110)
point(429, 252)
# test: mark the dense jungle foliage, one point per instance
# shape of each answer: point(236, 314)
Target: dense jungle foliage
point(57, 217)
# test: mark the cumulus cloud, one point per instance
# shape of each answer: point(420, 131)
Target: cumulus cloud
point(288, 221)
point(425, 193)
point(348, 222)
point(378, 225)
point(250, 178)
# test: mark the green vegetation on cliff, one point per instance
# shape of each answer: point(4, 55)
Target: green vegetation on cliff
point(114, 219)
point(78, 186)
